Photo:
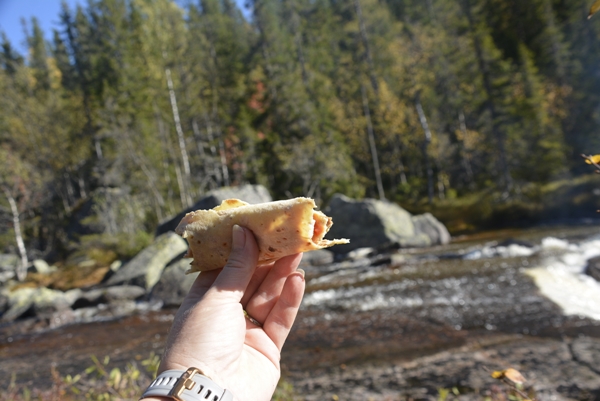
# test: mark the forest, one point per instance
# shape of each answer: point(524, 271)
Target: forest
point(144, 105)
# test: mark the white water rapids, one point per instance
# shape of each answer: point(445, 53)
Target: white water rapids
point(561, 278)
point(485, 280)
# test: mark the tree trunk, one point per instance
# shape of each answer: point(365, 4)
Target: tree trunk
point(20, 271)
point(200, 143)
point(466, 159)
point(398, 156)
point(168, 158)
point(371, 136)
point(365, 40)
point(223, 159)
point(182, 194)
point(187, 199)
point(440, 183)
point(425, 126)
point(221, 140)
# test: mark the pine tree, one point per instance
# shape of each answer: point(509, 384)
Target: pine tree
point(38, 53)
point(493, 71)
point(10, 60)
point(216, 73)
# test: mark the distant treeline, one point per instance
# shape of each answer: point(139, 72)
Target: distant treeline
point(403, 99)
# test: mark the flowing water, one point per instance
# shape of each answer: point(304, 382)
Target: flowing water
point(529, 282)
point(462, 287)
point(396, 305)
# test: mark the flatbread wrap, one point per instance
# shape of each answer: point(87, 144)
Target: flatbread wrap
point(281, 228)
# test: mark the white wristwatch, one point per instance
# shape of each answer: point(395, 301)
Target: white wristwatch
point(191, 385)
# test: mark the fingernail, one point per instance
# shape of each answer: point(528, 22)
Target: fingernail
point(239, 237)
point(302, 272)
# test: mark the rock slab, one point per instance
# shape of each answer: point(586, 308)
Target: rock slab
point(107, 295)
point(42, 301)
point(550, 370)
point(145, 268)
point(372, 223)
point(174, 284)
point(431, 227)
point(367, 223)
point(593, 268)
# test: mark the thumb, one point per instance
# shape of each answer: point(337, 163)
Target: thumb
point(235, 276)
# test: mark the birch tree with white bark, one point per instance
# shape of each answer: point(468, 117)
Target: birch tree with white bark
point(17, 183)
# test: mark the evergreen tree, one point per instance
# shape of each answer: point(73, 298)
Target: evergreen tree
point(400, 99)
point(38, 56)
point(10, 60)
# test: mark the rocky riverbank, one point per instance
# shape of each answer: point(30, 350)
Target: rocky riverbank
point(444, 319)
point(555, 369)
point(155, 277)
point(381, 322)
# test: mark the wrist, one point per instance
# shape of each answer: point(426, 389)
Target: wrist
point(189, 385)
point(204, 370)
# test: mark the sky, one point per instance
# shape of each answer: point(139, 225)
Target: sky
point(46, 11)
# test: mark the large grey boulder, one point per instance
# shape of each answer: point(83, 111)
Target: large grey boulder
point(6, 276)
point(42, 301)
point(430, 226)
point(174, 284)
point(587, 350)
point(108, 295)
point(8, 262)
point(4, 305)
point(248, 193)
point(146, 267)
point(46, 301)
point(19, 302)
point(42, 267)
point(370, 223)
point(8, 265)
point(593, 268)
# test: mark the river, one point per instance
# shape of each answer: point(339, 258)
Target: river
point(393, 307)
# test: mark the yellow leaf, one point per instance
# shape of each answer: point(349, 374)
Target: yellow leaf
point(595, 158)
point(510, 374)
point(595, 7)
point(514, 376)
point(498, 374)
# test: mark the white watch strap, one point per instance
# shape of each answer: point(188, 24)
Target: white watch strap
point(190, 385)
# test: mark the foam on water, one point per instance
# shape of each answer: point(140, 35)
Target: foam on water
point(554, 243)
point(558, 273)
point(515, 250)
point(500, 251)
point(562, 280)
point(575, 294)
point(391, 295)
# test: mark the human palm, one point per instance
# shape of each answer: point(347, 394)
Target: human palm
point(211, 333)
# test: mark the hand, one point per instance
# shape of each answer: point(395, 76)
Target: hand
point(211, 333)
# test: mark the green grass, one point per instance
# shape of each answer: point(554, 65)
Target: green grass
point(103, 382)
